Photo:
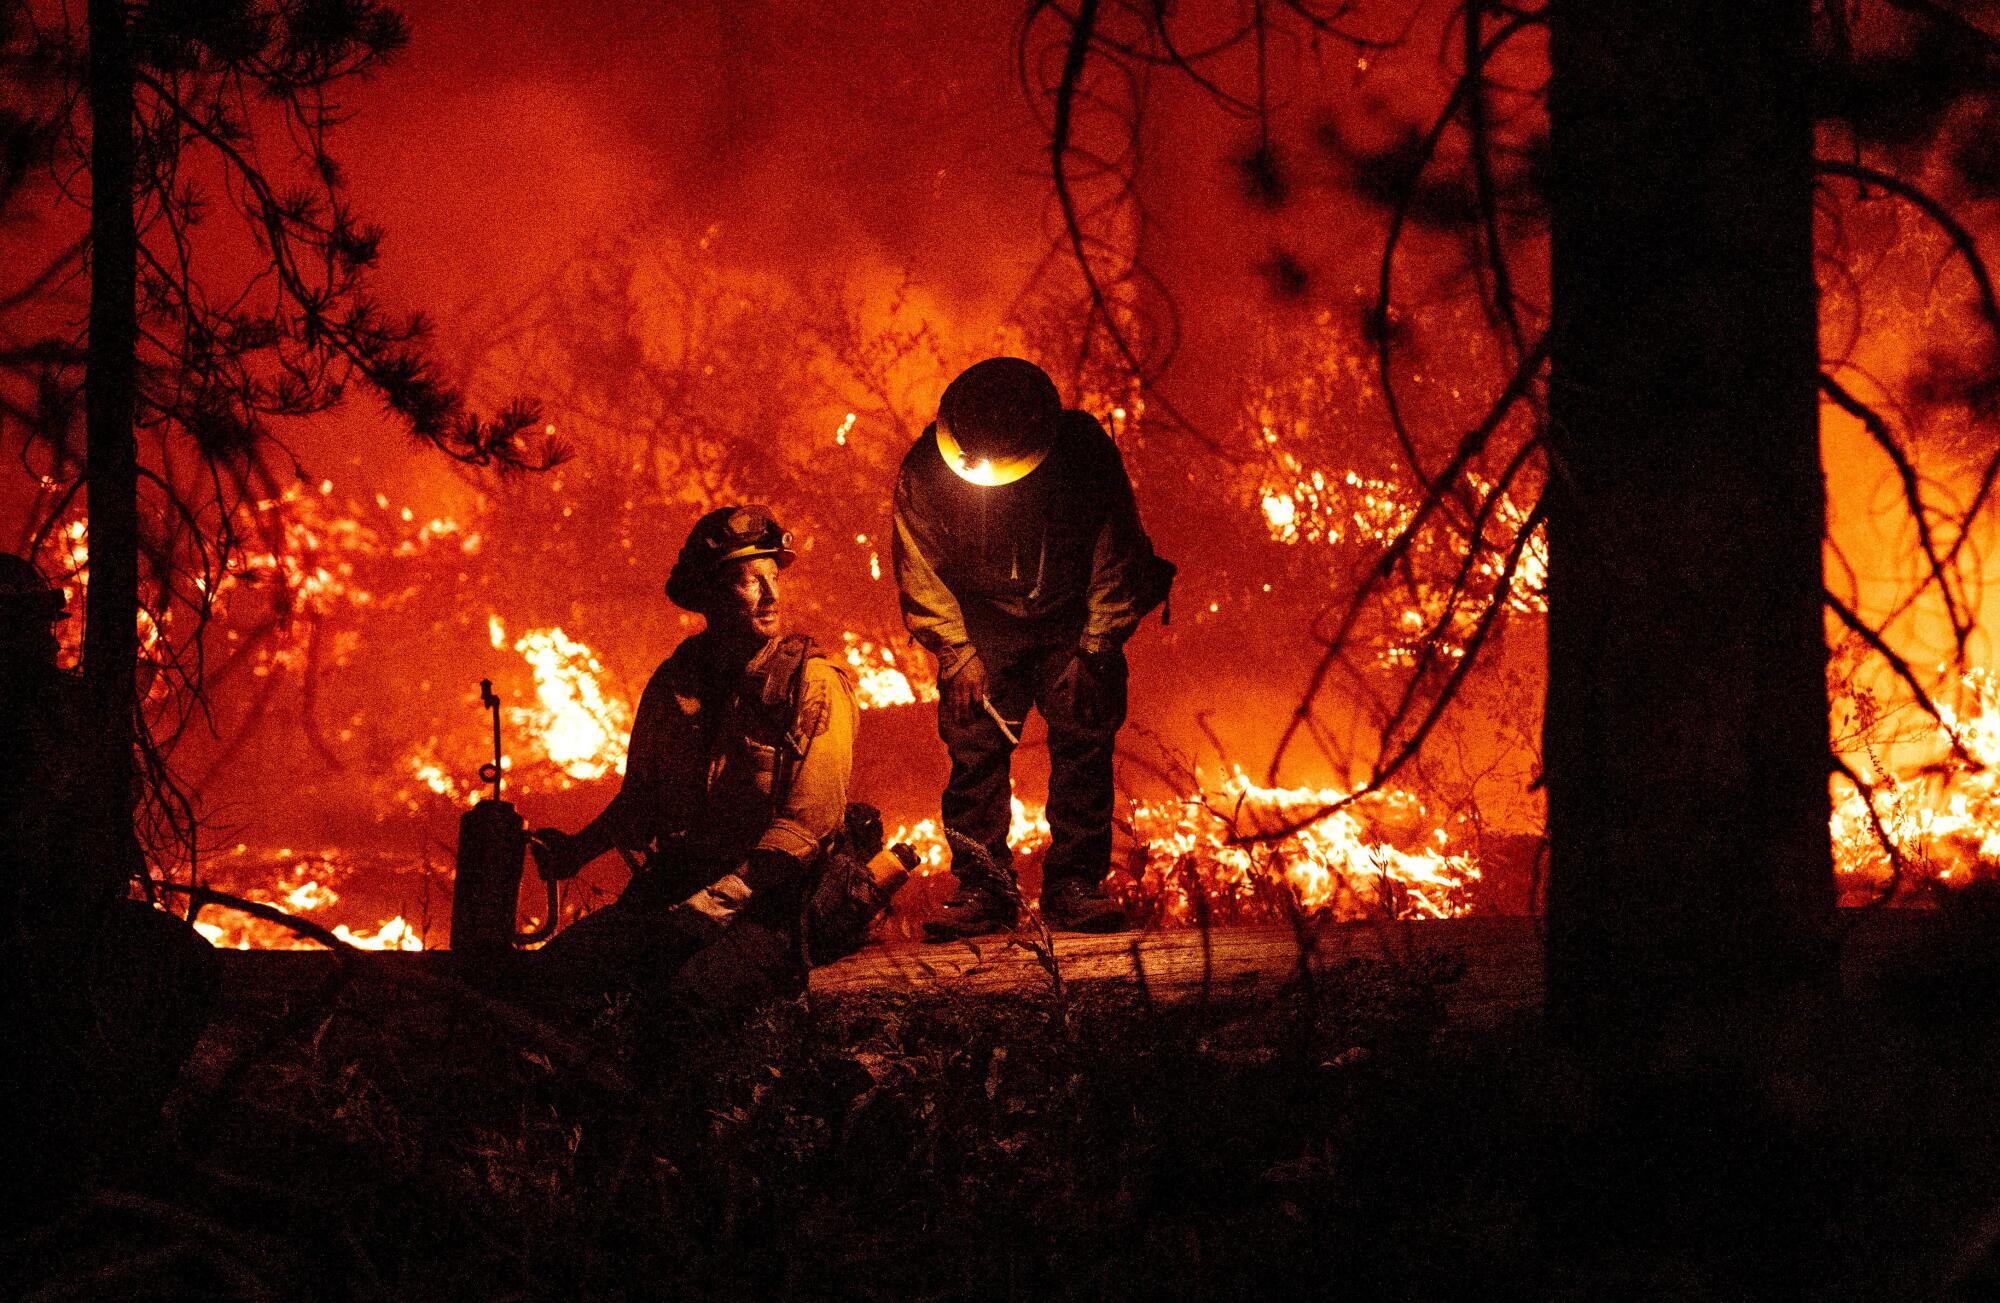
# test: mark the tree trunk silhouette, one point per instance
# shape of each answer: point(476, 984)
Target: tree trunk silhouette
point(111, 640)
point(1686, 746)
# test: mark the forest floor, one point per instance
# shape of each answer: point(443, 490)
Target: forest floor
point(1386, 1119)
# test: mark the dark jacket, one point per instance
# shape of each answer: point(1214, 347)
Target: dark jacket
point(701, 782)
point(1059, 553)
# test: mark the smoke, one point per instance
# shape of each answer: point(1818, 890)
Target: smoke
point(509, 138)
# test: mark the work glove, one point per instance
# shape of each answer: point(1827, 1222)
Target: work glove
point(706, 915)
point(964, 693)
point(558, 854)
point(1095, 682)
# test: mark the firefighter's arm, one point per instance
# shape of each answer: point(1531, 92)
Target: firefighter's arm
point(1116, 602)
point(813, 805)
point(930, 610)
point(563, 855)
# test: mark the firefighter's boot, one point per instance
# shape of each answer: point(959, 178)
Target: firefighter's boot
point(983, 903)
point(972, 912)
point(1073, 905)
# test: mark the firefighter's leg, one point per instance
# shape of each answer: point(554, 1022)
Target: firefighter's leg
point(603, 952)
point(978, 806)
point(1079, 798)
point(603, 937)
point(978, 797)
point(748, 965)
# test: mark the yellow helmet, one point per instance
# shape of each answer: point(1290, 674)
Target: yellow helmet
point(723, 535)
point(998, 421)
point(987, 472)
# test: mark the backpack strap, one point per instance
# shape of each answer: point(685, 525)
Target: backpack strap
point(779, 696)
point(778, 687)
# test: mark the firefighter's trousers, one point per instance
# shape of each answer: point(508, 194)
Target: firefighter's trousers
point(626, 944)
point(978, 796)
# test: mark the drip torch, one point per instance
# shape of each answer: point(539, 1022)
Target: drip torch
point(492, 853)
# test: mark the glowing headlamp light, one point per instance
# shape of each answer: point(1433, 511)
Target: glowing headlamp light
point(987, 472)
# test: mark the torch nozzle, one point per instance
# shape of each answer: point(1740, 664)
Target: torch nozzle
point(492, 773)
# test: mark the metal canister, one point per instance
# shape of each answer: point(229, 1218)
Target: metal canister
point(492, 851)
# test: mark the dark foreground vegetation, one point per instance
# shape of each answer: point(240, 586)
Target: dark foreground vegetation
point(372, 1139)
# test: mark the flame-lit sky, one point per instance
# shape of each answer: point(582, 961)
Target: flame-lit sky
point(508, 136)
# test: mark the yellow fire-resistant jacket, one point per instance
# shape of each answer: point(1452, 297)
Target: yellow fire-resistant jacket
point(1060, 551)
point(711, 747)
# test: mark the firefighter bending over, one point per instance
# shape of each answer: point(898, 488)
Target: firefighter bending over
point(735, 787)
point(1024, 568)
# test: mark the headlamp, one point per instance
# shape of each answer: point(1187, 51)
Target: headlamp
point(987, 472)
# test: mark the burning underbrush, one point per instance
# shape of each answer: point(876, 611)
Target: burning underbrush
point(1224, 851)
point(1242, 853)
point(1932, 821)
point(323, 886)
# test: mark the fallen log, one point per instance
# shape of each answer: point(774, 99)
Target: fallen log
point(1501, 961)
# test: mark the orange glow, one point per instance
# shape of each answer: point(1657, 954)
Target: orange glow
point(1942, 814)
point(1337, 865)
point(369, 597)
point(880, 679)
point(308, 885)
point(578, 725)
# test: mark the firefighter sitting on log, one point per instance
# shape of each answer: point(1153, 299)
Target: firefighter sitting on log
point(734, 803)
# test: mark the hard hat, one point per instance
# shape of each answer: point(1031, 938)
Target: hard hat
point(998, 421)
point(25, 595)
point(724, 535)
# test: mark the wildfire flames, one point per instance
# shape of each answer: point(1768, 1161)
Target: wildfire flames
point(879, 680)
point(1218, 856)
point(1223, 853)
point(1231, 855)
point(580, 728)
point(302, 885)
point(466, 592)
point(1303, 506)
point(1941, 814)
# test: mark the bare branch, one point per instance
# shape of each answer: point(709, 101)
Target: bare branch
point(1961, 238)
point(1903, 671)
point(1938, 572)
point(1383, 772)
point(1469, 447)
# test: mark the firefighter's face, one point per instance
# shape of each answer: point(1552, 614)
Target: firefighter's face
point(746, 599)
